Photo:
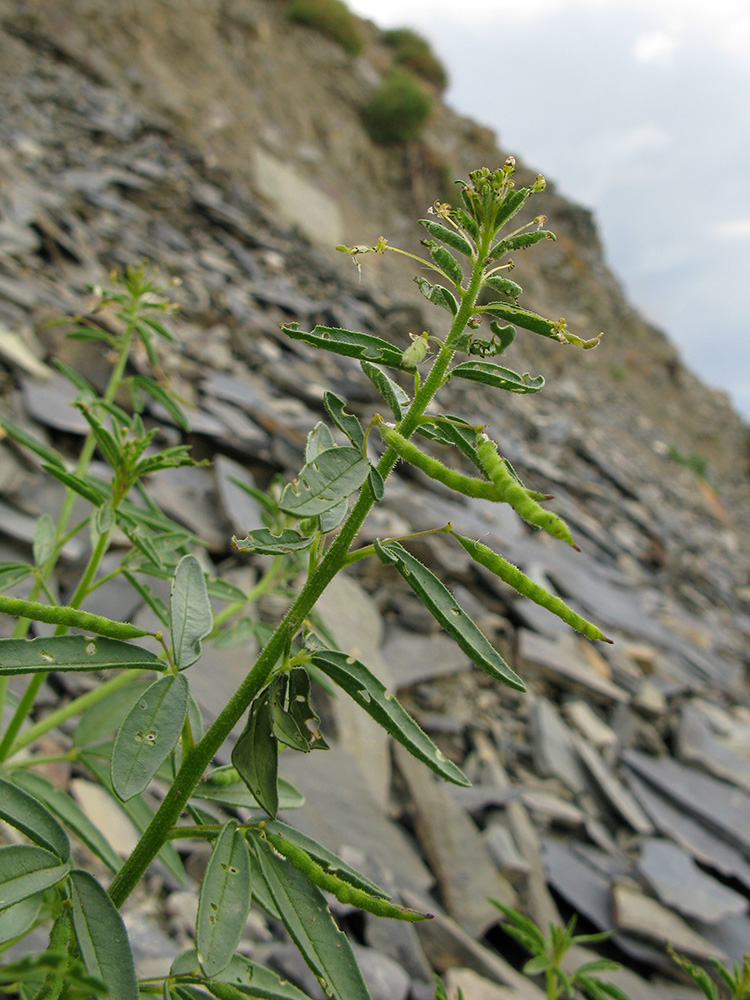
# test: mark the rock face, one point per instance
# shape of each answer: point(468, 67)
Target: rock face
point(191, 133)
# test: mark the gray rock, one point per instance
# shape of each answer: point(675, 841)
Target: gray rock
point(687, 831)
point(721, 807)
point(644, 917)
point(553, 749)
point(455, 850)
point(697, 743)
point(559, 663)
point(385, 978)
point(242, 511)
point(189, 496)
point(416, 658)
point(609, 785)
point(681, 884)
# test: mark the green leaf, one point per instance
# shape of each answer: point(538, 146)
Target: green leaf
point(512, 203)
point(153, 600)
point(248, 977)
point(190, 612)
point(17, 919)
point(535, 965)
point(138, 812)
point(391, 392)
point(497, 376)
point(370, 694)
point(102, 719)
point(27, 870)
point(520, 242)
point(54, 614)
point(223, 590)
point(236, 794)
point(455, 431)
point(82, 384)
point(526, 319)
point(503, 285)
point(156, 392)
point(12, 573)
point(86, 488)
point(28, 815)
point(294, 722)
point(446, 262)
point(438, 295)
point(449, 236)
point(44, 539)
point(256, 758)
point(73, 652)
point(347, 423)
point(158, 327)
point(319, 439)
point(523, 924)
point(148, 735)
point(105, 518)
point(308, 921)
point(377, 484)
point(111, 450)
point(325, 858)
point(362, 346)
point(264, 542)
point(331, 477)
point(699, 976)
point(224, 900)
point(102, 937)
point(70, 813)
point(445, 609)
point(19, 435)
point(329, 520)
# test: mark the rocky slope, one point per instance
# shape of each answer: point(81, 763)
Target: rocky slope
point(226, 145)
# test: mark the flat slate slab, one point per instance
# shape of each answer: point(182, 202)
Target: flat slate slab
point(722, 807)
point(562, 664)
point(645, 917)
point(613, 790)
point(690, 833)
point(698, 743)
point(681, 884)
point(553, 749)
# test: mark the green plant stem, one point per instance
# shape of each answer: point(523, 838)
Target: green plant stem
point(194, 765)
point(47, 758)
point(260, 588)
point(369, 550)
point(75, 707)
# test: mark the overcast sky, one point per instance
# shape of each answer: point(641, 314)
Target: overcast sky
point(640, 110)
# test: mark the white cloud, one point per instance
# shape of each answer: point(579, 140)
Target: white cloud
point(656, 48)
point(732, 229)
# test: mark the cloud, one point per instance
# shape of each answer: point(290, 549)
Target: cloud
point(655, 48)
point(732, 229)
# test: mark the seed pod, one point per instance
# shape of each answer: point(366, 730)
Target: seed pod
point(511, 491)
point(343, 891)
point(71, 617)
point(470, 486)
point(527, 588)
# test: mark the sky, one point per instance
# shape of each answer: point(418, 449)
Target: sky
point(639, 110)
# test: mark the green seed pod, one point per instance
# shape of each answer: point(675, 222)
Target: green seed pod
point(470, 486)
point(415, 352)
point(343, 891)
point(527, 588)
point(70, 617)
point(512, 492)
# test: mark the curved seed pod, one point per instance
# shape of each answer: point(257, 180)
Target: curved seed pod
point(470, 486)
point(512, 575)
point(512, 492)
point(343, 891)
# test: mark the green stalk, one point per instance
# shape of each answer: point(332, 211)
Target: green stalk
point(194, 765)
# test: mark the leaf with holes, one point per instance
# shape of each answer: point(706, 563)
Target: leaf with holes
point(224, 900)
point(256, 757)
point(102, 937)
point(22, 811)
point(354, 345)
point(447, 612)
point(307, 918)
point(73, 652)
point(319, 439)
point(264, 542)
point(190, 612)
point(331, 477)
point(347, 423)
point(370, 694)
point(295, 723)
point(250, 978)
point(497, 376)
point(70, 813)
point(438, 295)
point(148, 735)
point(26, 870)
